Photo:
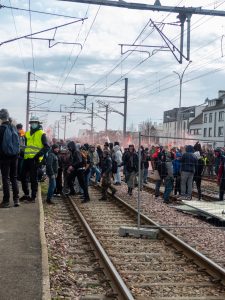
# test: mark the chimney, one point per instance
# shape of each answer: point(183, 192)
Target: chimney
point(221, 94)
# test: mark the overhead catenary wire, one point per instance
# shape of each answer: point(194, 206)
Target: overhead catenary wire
point(37, 11)
point(14, 22)
point(119, 62)
point(120, 78)
point(137, 64)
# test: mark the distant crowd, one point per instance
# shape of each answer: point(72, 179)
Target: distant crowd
point(71, 168)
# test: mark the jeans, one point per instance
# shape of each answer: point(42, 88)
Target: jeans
point(94, 170)
point(157, 187)
point(168, 188)
point(9, 173)
point(145, 176)
point(177, 185)
point(198, 181)
point(51, 187)
point(186, 183)
point(117, 175)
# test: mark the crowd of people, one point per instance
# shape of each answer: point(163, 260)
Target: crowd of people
point(72, 167)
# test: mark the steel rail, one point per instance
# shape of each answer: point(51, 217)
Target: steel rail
point(118, 283)
point(200, 259)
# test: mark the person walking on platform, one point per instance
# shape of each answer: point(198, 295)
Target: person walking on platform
point(36, 146)
point(52, 166)
point(106, 175)
point(9, 150)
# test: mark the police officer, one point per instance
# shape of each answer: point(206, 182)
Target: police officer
point(36, 146)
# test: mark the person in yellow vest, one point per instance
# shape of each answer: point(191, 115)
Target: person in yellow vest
point(36, 146)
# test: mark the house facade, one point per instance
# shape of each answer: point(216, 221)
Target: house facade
point(213, 123)
point(170, 124)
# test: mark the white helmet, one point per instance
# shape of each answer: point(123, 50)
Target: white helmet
point(34, 119)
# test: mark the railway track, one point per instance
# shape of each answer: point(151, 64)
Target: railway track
point(75, 270)
point(162, 268)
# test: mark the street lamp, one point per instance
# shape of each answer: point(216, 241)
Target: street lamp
point(180, 96)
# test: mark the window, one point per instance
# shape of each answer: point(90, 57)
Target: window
point(205, 132)
point(220, 131)
point(210, 131)
point(221, 116)
point(205, 118)
point(210, 117)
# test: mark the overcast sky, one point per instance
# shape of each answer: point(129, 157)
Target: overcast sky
point(99, 66)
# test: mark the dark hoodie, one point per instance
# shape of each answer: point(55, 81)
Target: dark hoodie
point(188, 160)
point(76, 156)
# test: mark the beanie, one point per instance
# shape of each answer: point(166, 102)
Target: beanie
point(4, 114)
point(55, 146)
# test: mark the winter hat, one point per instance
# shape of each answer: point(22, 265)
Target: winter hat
point(4, 114)
point(197, 154)
point(189, 149)
point(55, 146)
point(19, 126)
point(178, 154)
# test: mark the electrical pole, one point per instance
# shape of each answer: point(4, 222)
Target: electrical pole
point(106, 118)
point(58, 130)
point(65, 129)
point(179, 118)
point(125, 109)
point(28, 101)
point(92, 121)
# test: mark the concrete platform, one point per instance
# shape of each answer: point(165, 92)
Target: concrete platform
point(23, 253)
point(215, 209)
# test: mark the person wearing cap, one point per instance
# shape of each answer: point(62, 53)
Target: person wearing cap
point(52, 166)
point(8, 165)
point(36, 146)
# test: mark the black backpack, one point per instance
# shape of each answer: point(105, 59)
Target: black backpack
point(10, 142)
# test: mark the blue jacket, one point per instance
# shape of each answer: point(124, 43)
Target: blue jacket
point(176, 167)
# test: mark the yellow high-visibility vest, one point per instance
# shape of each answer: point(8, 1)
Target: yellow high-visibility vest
point(34, 144)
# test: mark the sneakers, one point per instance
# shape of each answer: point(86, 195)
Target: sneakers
point(4, 205)
point(25, 198)
point(113, 192)
point(102, 199)
point(49, 201)
point(16, 203)
point(85, 200)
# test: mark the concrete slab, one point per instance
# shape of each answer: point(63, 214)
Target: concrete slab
point(21, 259)
point(139, 232)
point(215, 209)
